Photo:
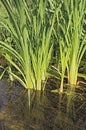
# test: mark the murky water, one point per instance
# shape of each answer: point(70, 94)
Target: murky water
point(48, 111)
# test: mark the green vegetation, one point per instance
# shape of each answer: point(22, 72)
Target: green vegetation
point(71, 36)
point(31, 51)
point(33, 30)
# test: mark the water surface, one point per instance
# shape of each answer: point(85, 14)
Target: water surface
point(48, 111)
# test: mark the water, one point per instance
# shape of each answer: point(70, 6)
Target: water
point(48, 111)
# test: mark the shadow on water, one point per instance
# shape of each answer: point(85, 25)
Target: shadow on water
point(48, 111)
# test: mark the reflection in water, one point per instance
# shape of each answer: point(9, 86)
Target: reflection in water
point(48, 111)
point(12, 107)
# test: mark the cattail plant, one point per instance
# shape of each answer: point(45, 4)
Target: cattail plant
point(71, 36)
point(30, 25)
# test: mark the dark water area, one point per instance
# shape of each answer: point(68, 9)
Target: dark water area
point(47, 111)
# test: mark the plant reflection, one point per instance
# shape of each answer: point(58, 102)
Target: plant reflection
point(48, 111)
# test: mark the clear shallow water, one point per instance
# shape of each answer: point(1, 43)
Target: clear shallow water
point(48, 111)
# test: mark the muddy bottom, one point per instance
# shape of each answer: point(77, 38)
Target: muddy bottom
point(47, 110)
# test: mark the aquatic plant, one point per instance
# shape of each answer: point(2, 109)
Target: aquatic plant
point(71, 36)
point(30, 25)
